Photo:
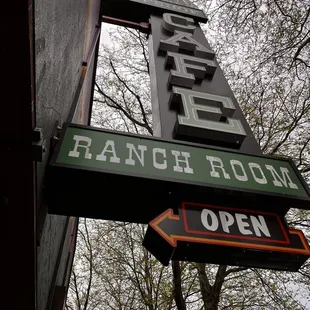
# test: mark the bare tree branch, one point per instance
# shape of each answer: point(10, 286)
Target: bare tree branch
point(90, 267)
point(146, 125)
point(76, 289)
point(118, 107)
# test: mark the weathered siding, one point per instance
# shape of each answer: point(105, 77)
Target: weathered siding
point(64, 32)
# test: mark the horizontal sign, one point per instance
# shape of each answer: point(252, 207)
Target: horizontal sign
point(88, 161)
point(175, 6)
point(225, 229)
point(149, 158)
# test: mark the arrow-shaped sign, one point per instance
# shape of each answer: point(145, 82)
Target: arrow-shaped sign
point(213, 234)
point(169, 226)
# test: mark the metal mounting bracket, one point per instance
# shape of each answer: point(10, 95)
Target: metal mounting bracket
point(38, 145)
point(55, 136)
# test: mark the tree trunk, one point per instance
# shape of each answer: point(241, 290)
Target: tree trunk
point(177, 288)
point(211, 294)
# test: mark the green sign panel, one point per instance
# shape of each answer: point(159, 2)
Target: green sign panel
point(149, 158)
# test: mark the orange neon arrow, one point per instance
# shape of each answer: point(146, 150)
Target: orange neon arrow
point(165, 215)
point(173, 238)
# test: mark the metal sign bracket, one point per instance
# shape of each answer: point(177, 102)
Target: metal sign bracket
point(38, 146)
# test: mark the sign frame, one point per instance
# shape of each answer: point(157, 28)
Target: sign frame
point(175, 8)
point(140, 10)
point(231, 235)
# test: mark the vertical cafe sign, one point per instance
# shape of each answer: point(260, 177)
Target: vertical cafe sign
point(186, 79)
point(192, 101)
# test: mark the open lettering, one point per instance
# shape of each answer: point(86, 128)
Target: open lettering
point(225, 222)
